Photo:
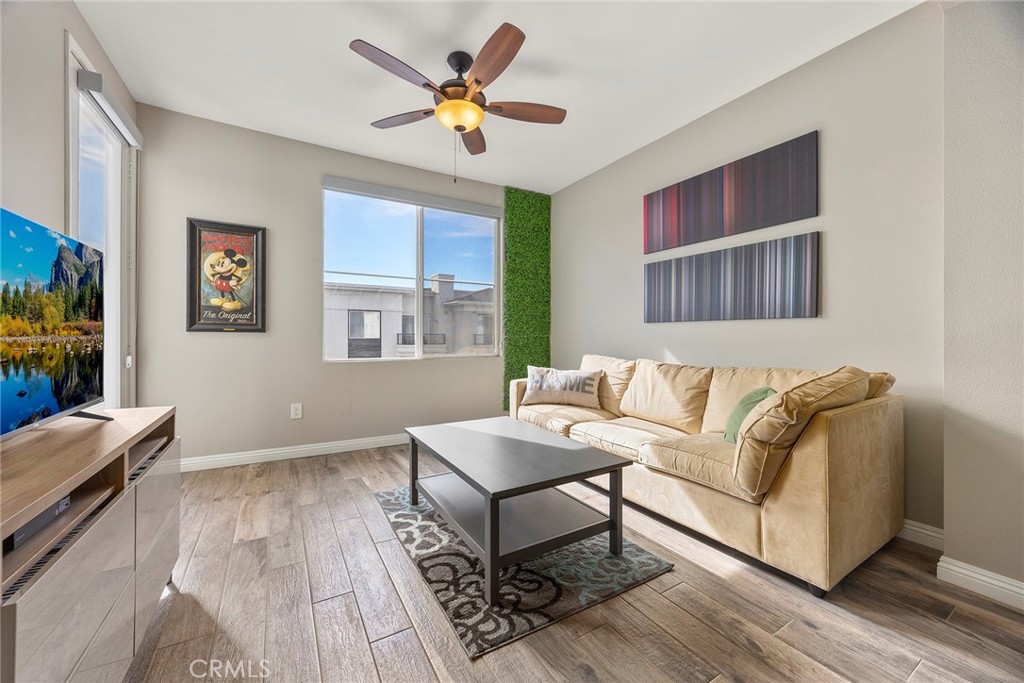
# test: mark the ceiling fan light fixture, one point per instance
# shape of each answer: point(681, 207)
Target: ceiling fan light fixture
point(460, 116)
point(460, 101)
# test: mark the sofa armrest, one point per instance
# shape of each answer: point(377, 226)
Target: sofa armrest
point(839, 497)
point(516, 391)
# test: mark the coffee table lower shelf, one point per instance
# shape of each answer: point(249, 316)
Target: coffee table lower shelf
point(530, 524)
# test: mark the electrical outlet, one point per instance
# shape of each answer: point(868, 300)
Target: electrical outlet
point(296, 411)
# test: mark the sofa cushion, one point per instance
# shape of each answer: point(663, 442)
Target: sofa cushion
point(879, 383)
point(559, 418)
point(671, 395)
point(775, 424)
point(565, 387)
point(728, 385)
point(617, 373)
point(742, 409)
point(702, 458)
point(623, 436)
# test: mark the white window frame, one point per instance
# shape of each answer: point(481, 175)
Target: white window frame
point(422, 200)
point(119, 257)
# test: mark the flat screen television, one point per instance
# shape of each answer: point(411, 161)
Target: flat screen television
point(51, 325)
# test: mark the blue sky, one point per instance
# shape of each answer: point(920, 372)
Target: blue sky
point(27, 249)
point(367, 235)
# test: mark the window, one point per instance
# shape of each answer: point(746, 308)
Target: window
point(408, 334)
point(484, 334)
point(364, 324)
point(418, 272)
point(100, 191)
point(364, 334)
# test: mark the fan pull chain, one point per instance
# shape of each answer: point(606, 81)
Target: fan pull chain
point(455, 158)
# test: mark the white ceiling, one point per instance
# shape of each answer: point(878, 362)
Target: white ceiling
point(285, 68)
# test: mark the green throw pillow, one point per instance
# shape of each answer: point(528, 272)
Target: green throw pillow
point(739, 413)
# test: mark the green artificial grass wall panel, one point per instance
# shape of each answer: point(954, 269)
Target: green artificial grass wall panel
point(527, 282)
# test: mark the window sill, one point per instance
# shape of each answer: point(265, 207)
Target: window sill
point(465, 356)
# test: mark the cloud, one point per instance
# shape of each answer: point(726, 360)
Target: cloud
point(393, 209)
point(21, 265)
point(373, 207)
point(468, 232)
point(11, 233)
point(27, 249)
point(58, 238)
point(29, 228)
point(458, 225)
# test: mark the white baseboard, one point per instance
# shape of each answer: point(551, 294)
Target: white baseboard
point(922, 533)
point(208, 462)
point(996, 586)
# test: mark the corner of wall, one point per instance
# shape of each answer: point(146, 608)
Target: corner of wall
point(983, 369)
point(991, 585)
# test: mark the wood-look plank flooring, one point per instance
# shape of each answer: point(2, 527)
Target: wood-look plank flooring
point(293, 562)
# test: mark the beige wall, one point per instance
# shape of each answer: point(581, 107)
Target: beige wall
point(877, 101)
point(984, 351)
point(233, 390)
point(34, 119)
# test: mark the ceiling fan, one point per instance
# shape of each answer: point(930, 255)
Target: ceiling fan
point(460, 102)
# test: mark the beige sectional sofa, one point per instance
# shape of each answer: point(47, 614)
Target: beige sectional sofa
point(813, 486)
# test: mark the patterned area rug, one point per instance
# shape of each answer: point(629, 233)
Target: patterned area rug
point(534, 594)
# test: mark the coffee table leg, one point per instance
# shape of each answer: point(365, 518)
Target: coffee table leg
point(615, 511)
point(492, 551)
point(414, 466)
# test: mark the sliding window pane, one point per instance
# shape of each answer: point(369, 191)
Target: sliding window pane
point(367, 235)
point(99, 151)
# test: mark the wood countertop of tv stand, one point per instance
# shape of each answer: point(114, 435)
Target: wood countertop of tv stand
point(43, 465)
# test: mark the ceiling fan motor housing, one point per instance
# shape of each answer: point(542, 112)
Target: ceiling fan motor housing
point(455, 89)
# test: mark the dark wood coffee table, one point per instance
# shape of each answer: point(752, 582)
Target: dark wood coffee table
point(500, 496)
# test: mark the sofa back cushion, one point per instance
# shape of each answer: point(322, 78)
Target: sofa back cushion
point(729, 385)
point(617, 373)
point(672, 395)
point(774, 425)
point(879, 384)
point(742, 409)
point(565, 387)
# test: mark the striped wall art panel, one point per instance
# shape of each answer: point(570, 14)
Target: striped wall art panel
point(775, 186)
point(774, 279)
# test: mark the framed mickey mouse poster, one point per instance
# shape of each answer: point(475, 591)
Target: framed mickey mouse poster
point(226, 277)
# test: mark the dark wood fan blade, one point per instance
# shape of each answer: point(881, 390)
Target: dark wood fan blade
point(496, 54)
point(474, 141)
point(527, 111)
point(402, 119)
point(394, 65)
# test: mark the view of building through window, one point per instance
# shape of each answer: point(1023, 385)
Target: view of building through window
point(381, 302)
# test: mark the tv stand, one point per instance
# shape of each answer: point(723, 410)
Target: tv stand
point(91, 416)
point(79, 593)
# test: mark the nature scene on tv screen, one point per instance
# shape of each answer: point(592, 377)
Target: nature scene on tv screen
point(51, 329)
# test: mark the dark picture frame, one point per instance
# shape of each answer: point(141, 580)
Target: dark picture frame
point(774, 186)
point(760, 281)
point(226, 277)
